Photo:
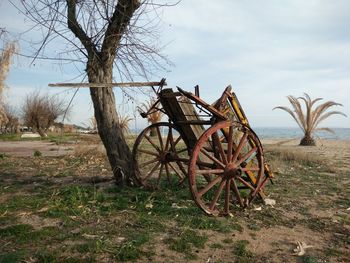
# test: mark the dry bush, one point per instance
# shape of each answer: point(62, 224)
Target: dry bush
point(154, 116)
point(124, 123)
point(5, 62)
point(86, 152)
point(12, 123)
point(41, 111)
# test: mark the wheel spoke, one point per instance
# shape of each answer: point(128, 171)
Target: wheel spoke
point(230, 143)
point(176, 172)
point(216, 163)
point(247, 169)
point(208, 186)
point(212, 158)
point(217, 195)
point(238, 196)
point(151, 172)
point(152, 143)
point(242, 142)
point(246, 156)
point(181, 150)
point(258, 183)
point(219, 145)
point(148, 152)
point(177, 141)
point(210, 171)
point(168, 139)
point(227, 195)
point(182, 168)
point(246, 183)
point(160, 174)
point(148, 162)
point(160, 138)
point(167, 172)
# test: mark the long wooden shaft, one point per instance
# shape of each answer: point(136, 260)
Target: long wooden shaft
point(103, 85)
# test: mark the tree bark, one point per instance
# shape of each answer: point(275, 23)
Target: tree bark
point(118, 152)
point(153, 132)
point(99, 70)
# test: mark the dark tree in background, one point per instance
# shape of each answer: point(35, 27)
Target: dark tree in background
point(103, 34)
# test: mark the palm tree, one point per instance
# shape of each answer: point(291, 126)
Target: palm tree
point(152, 117)
point(308, 121)
point(124, 123)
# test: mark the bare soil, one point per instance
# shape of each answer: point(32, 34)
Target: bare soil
point(27, 148)
point(311, 189)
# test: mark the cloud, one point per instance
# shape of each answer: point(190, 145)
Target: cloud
point(265, 49)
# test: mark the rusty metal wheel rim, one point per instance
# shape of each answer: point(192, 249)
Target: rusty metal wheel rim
point(161, 160)
point(230, 169)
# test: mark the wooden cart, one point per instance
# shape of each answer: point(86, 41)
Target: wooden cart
point(210, 144)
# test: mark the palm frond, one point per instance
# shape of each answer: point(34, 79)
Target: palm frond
point(320, 109)
point(291, 113)
point(298, 110)
point(309, 121)
point(315, 100)
point(325, 129)
point(326, 115)
point(123, 122)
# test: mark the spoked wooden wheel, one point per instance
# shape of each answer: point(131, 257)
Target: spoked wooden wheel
point(226, 168)
point(162, 158)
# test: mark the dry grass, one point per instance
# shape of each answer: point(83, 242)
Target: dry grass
point(280, 159)
point(96, 151)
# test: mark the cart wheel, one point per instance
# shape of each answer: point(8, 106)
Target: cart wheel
point(230, 155)
point(161, 159)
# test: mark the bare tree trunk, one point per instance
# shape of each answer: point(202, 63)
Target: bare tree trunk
point(118, 152)
point(41, 132)
point(153, 132)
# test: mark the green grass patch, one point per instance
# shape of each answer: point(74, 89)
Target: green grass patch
point(222, 225)
point(23, 233)
point(216, 246)
point(309, 259)
point(37, 153)
point(128, 252)
point(13, 256)
point(10, 137)
point(25, 202)
point(186, 241)
point(242, 253)
point(3, 156)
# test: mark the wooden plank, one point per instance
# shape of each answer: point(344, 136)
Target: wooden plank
point(173, 109)
point(190, 114)
point(201, 102)
point(105, 85)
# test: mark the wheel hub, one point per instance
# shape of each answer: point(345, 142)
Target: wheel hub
point(232, 171)
point(166, 157)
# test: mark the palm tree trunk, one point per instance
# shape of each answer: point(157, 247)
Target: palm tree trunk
point(307, 140)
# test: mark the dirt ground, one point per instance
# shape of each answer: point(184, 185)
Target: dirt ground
point(311, 191)
point(335, 152)
point(27, 148)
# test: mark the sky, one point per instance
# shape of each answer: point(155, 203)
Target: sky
point(265, 49)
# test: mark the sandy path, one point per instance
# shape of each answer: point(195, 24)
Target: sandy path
point(334, 152)
point(27, 148)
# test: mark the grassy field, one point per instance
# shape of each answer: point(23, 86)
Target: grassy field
point(67, 209)
point(51, 137)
